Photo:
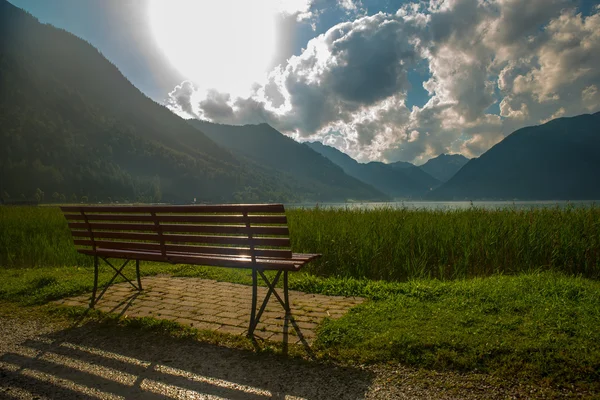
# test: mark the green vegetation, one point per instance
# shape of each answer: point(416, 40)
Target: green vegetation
point(538, 327)
point(384, 244)
point(36, 237)
point(34, 286)
point(533, 317)
point(401, 244)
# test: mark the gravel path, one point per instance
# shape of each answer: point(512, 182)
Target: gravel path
point(46, 359)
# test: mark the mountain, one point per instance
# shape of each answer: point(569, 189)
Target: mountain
point(554, 161)
point(444, 166)
point(72, 124)
point(401, 164)
point(397, 180)
point(313, 174)
point(73, 128)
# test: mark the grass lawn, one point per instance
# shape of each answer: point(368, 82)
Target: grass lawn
point(540, 328)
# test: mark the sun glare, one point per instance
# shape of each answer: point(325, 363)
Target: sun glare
point(222, 44)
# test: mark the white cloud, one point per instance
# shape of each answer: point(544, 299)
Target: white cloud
point(351, 5)
point(537, 59)
point(590, 97)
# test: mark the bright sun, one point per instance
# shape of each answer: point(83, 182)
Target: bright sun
point(220, 44)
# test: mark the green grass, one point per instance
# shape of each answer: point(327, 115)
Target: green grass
point(535, 327)
point(401, 244)
point(37, 237)
point(383, 244)
point(35, 286)
point(32, 286)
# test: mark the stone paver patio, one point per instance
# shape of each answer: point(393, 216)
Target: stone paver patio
point(219, 306)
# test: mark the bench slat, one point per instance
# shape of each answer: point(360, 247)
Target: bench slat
point(118, 245)
point(194, 209)
point(231, 251)
point(237, 262)
point(218, 219)
point(118, 235)
point(241, 251)
point(255, 230)
point(220, 261)
point(112, 226)
point(110, 217)
point(171, 238)
point(235, 240)
point(225, 219)
point(226, 229)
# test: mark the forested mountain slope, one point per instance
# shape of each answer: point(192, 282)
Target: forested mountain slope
point(71, 123)
point(308, 170)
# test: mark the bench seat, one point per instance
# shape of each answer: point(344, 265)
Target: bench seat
point(297, 261)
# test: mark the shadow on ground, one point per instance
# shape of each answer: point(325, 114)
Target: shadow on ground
point(93, 360)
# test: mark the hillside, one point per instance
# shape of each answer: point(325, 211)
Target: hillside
point(398, 180)
point(554, 161)
point(72, 124)
point(74, 128)
point(298, 164)
point(444, 166)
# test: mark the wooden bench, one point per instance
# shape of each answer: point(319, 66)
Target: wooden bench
point(252, 236)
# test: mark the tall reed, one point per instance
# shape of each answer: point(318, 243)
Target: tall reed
point(37, 237)
point(389, 244)
point(400, 244)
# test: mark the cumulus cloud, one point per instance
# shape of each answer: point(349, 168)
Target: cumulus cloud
point(180, 98)
point(535, 59)
point(590, 97)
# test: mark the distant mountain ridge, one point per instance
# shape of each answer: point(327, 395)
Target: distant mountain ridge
point(397, 180)
point(559, 160)
point(444, 166)
point(265, 146)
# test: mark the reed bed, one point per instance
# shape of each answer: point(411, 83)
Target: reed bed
point(394, 244)
point(401, 244)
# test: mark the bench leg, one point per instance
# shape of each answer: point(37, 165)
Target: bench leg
point(286, 296)
point(93, 299)
point(255, 318)
point(118, 271)
point(137, 270)
point(253, 310)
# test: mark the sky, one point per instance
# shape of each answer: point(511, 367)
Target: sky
point(387, 80)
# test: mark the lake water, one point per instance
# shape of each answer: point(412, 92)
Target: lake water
point(453, 205)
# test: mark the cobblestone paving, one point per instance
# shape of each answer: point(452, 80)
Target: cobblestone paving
point(219, 306)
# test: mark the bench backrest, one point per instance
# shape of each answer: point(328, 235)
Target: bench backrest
point(254, 230)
